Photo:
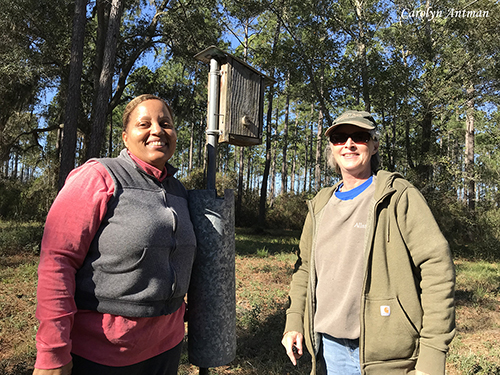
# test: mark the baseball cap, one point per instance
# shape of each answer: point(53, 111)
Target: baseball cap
point(362, 119)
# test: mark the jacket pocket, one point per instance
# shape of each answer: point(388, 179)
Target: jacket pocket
point(389, 335)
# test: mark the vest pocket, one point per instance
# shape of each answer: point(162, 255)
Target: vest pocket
point(389, 335)
point(123, 264)
point(146, 276)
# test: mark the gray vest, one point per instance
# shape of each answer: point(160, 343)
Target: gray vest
point(139, 262)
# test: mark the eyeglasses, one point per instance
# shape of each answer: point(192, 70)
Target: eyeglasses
point(358, 137)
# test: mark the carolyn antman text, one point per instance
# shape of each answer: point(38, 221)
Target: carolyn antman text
point(450, 13)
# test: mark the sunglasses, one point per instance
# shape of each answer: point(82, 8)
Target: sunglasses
point(358, 137)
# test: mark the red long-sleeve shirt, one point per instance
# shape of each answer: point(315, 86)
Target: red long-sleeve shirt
point(72, 223)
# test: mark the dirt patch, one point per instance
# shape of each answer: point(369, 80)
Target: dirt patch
point(476, 347)
point(480, 318)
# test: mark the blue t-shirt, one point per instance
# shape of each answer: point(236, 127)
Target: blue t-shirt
point(353, 193)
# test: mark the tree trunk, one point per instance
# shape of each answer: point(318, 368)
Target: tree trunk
point(361, 51)
point(273, 156)
point(201, 146)
point(267, 164)
point(319, 140)
point(294, 157)
point(319, 146)
point(16, 165)
point(284, 165)
point(68, 147)
point(306, 164)
point(424, 167)
point(110, 137)
point(249, 170)
point(102, 12)
point(469, 150)
point(239, 197)
point(310, 145)
point(100, 111)
point(191, 147)
point(272, 187)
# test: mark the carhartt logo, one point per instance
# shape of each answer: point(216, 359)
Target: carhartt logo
point(385, 310)
point(360, 225)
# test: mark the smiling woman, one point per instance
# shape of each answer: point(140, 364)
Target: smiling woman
point(372, 263)
point(149, 131)
point(112, 280)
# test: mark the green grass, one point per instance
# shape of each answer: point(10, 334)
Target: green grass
point(481, 279)
point(270, 242)
point(473, 363)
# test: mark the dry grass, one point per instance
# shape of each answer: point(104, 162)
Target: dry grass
point(264, 266)
point(17, 313)
point(476, 347)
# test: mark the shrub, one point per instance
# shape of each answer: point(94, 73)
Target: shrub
point(288, 211)
point(10, 196)
point(196, 180)
point(471, 234)
point(248, 215)
point(17, 237)
point(25, 201)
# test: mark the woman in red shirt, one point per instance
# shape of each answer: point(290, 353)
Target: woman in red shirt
point(128, 214)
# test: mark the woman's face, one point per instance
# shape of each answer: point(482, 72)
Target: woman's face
point(354, 159)
point(150, 134)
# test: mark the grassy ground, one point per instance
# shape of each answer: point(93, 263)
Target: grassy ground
point(264, 265)
point(18, 264)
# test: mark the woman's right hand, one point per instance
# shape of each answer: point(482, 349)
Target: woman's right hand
point(292, 341)
point(65, 370)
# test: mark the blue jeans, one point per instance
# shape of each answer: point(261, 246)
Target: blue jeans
point(340, 356)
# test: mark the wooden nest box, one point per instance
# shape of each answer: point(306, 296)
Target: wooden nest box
point(241, 99)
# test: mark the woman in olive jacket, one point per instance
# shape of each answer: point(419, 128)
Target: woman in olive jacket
point(390, 292)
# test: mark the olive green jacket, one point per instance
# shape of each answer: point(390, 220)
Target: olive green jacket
point(407, 305)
